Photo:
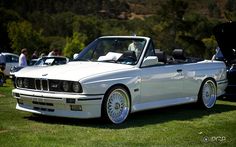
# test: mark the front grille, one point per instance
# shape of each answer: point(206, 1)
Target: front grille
point(41, 84)
point(44, 84)
point(38, 84)
point(48, 85)
point(30, 83)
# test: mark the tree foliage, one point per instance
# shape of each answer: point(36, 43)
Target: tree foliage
point(74, 44)
point(6, 16)
point(70, 25)
point(22, 35)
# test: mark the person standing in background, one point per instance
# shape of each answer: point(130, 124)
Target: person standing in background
point(54, 52)
point(22, 58)
point(34, 55)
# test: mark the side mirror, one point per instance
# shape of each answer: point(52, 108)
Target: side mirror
point(149, 61)
point(75, 55)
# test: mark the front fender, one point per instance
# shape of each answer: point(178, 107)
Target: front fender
point(100, 86)
point(101, 83)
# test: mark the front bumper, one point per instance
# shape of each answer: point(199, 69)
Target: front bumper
point(58, 104)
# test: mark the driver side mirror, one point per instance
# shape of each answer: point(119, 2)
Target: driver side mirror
point(75, 55)
point(149, 61)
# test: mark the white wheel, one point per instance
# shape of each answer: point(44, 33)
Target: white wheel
point(207, 95)
point(117, 105)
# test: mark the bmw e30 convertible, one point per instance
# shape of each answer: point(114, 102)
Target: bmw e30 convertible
point(118, 75)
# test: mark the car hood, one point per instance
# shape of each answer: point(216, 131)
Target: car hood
point(73, 71)
point(225, 36)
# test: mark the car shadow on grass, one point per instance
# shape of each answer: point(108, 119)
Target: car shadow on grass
point(139, 119)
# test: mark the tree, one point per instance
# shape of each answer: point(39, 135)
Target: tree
point(172, 16)
point(214, 9)
point(231, 5)
point(88, 26)
point(7, 16)
point(211, 45)
point(22, 35)
point(74, 44)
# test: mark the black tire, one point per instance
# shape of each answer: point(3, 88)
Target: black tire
point(208, 94)
point(116, 105)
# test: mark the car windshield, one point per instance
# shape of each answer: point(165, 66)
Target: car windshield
point(116, 50)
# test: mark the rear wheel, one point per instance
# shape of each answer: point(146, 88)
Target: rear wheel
point(207, 94)
point(116, 105)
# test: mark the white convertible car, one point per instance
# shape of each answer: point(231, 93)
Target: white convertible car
point(118, 75)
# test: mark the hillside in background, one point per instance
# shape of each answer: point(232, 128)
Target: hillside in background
point(71, 24)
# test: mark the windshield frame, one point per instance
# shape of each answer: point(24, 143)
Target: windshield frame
point(92, 47)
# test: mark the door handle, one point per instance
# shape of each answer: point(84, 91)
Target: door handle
point(179, 70)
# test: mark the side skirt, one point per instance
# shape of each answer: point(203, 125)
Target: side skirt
point(163, 103)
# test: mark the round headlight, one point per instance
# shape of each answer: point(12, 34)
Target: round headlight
point(76, 87)
point(65, 86)
point(19, 82)
point(26, 83)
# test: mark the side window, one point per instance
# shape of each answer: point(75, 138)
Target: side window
point(12, 59)
point(8, 58)
point(151, 50)
point(15, 59)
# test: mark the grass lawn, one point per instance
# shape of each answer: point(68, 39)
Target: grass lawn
point(184, 125)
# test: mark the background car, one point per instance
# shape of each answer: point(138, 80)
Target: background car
point(43, 61)
point(225, 36)
point(10, 60)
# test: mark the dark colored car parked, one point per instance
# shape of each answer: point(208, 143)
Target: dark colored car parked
point(225, 36)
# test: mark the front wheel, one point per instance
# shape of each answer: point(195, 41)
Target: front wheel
point(207, 94)
point(116, 105)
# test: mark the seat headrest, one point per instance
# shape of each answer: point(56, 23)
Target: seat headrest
point(161, 56)
point(178, 54)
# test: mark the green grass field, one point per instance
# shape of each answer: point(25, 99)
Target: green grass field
point(184, 125)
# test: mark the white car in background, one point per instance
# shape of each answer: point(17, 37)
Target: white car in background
point(118, 75)
point(10, 61)
point(43, 61)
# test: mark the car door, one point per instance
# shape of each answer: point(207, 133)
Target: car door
point(160, 81)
